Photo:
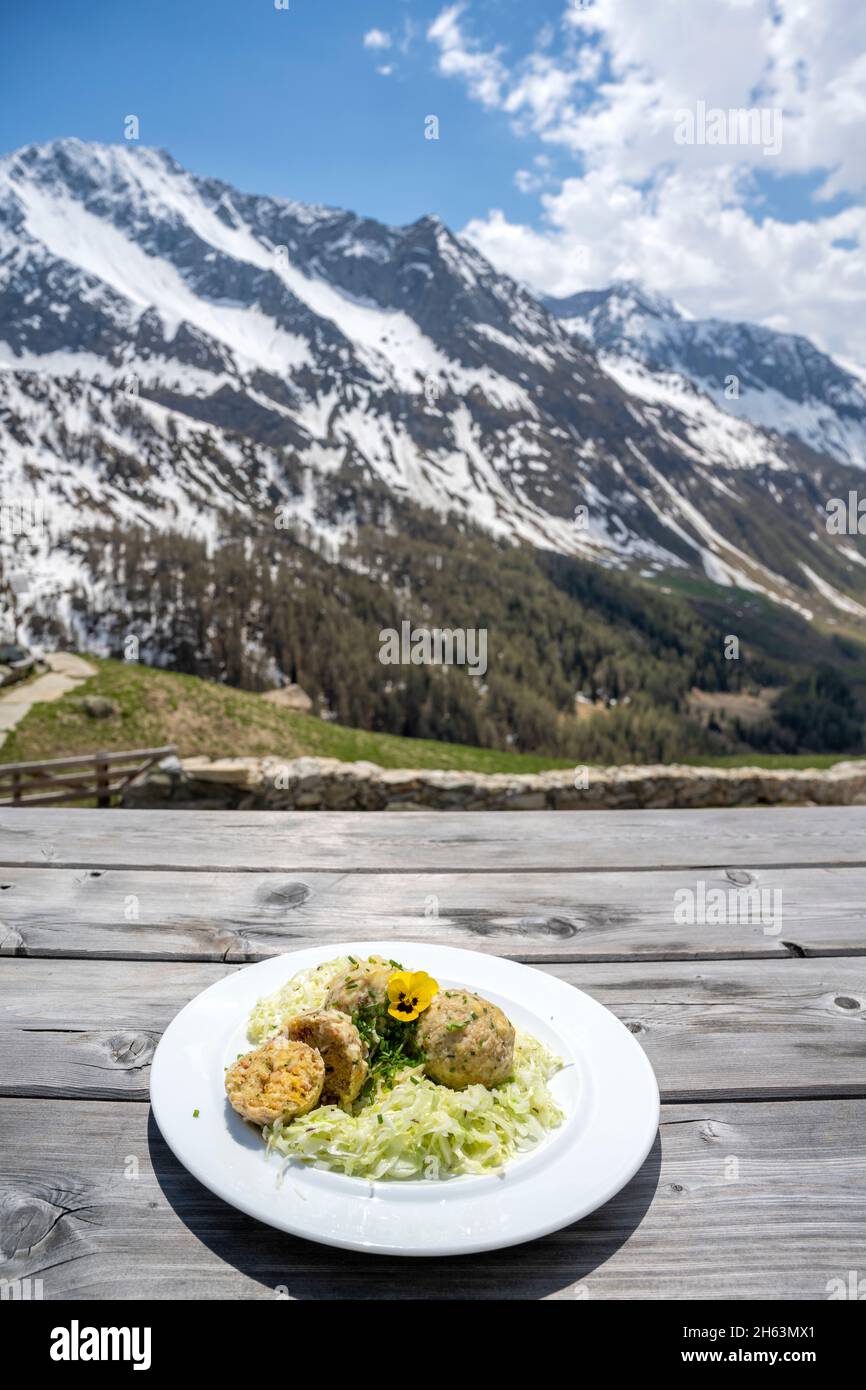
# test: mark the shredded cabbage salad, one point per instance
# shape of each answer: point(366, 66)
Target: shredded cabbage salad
point(411, 1127)
point(306, 990)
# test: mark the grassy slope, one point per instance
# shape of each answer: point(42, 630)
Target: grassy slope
point(197, 716)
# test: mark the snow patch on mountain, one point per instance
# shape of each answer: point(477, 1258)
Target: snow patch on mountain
point(777, 381)
point(175, 352)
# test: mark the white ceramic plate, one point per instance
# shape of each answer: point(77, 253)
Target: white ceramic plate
point(607, 1090)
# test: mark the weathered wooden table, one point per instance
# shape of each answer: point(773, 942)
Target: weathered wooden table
point(110, 921)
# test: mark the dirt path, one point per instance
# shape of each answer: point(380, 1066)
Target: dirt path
point(66, 672)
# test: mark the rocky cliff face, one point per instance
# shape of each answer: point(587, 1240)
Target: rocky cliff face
point(174, 352)
point(778, 381)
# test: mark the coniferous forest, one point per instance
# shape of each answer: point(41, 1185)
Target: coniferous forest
point(582, 662)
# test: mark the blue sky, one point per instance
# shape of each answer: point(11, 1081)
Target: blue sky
point(556, 154)
point(287, 102)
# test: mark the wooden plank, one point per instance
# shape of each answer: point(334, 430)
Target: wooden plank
point(175, 915)
point(102, 776)
point(85, 778)
point(436, 842)
point(121, 756)
point(715, 1029)
point(83, 793)
point(763, 1201)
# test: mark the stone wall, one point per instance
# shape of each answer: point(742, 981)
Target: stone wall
point(325, 784)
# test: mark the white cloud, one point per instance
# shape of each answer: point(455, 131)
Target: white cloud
point(686, 237)
point(527, 182)
point(542, 90)
point(531, 180)
point(665, 57)
point(397, 44)
point(377, 38)
point(809, 61)
point(686, 218)
point(483, 72)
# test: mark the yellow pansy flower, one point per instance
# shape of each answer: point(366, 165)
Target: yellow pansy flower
point(410, 992)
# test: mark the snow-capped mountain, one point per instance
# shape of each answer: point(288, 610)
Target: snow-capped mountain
point(778, 381)
point(174, 351)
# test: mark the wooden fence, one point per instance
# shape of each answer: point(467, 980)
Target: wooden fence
point(99, 775)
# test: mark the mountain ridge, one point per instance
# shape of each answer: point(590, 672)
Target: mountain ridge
point(778, 381)
point(175, 352)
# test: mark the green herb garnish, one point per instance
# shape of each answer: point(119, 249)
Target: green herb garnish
point(391, 1047)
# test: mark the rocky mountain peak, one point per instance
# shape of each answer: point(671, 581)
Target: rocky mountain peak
point(176, 350)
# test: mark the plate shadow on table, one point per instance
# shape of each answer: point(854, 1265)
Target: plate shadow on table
point(554, 1266)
